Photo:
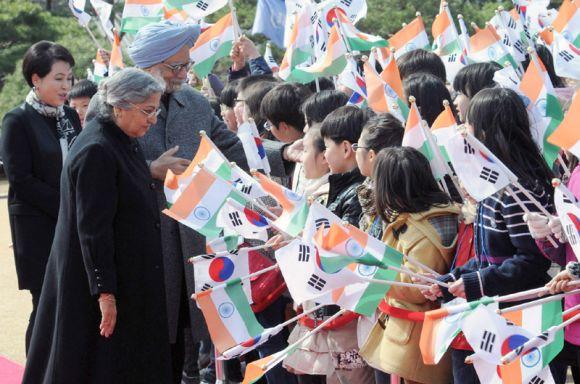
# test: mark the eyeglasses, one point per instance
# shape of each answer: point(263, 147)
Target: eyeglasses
point(355, 146)
point(176, 68)
point(149, 115)
point(239, 101)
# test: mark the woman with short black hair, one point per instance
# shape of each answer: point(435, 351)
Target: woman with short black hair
point(36, 137)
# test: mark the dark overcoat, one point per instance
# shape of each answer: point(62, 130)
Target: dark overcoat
point(107, 240)
point(32, 157)
point(189, 113)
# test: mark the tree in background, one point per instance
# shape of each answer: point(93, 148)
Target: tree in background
point(23, 23)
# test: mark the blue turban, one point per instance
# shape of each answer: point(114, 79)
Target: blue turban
point(157, 42)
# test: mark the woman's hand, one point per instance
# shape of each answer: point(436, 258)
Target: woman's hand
point(457, 288)
point(108, 307)
point(538, 225)
point(276, 242)
point(434, 291)
point(560, 282)
point(556, 227)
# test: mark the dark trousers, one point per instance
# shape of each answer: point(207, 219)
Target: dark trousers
point(270, 317)
point(35, 298)
point(311, 379)
point(178, 348)
point(569, 356)
point(463, 373)
point(382, 377)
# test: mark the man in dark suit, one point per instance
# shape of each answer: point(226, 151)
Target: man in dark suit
point(163, 50)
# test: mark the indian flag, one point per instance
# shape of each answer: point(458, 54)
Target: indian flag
point(357, 40)
point(543, 107)
point(139, 13)
point(198, 204)
point(445, 37)
point(332, 63)
point(412, 36)
point(567, 135)
point(416, 137)
point(385, 91)
point(568, 21)
point(228, 315)
point(116, 61)
point(223, 244)
point(486, 46)
point(299, 48)
point(294, 206)
point(213, 44)
point(442, 325)
point(535, 320)
point(257, 369)
point(337, 249)
point(208, 155)
point(100, 68)
point(443, 128)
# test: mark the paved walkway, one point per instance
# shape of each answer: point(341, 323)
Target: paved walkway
point(15, 305)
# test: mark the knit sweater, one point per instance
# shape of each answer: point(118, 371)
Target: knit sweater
point(507, 257)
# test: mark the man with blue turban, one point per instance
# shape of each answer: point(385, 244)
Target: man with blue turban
point(163, 50)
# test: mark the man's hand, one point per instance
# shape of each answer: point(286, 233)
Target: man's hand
point(293, 152)
point(560, 282)
point(238, 59)
point(167, 161)
point(538, 225)
point(248, 48)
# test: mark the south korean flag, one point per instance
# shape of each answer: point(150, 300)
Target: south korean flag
point(481, 172)
point(236, 218)
point(568, 209)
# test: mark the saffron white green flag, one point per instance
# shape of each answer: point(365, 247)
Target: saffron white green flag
point(416, 136)
point(216, 42)
point(139, 13)
point(357, 40)
point(228, 315)
point(332, 63)
point(543, 107)
point(300, 47)
point(198, 204)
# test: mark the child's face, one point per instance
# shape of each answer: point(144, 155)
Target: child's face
point(229, 117)
point(313, 161)
point(80, 104)
point(339, 156)
point(364, 158)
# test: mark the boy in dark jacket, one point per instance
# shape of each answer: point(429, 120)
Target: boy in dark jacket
point(340, 130)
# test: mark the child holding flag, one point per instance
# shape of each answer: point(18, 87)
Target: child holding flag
point(421, 222)
point(333, 352)
point(540, 227)
point(507, 257)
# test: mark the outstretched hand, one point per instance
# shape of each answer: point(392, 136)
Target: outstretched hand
point(167, 161)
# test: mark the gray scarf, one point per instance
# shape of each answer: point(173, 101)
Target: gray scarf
point(64, 128)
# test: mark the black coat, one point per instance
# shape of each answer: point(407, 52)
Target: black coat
point(107, 241)
point(33, 162)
